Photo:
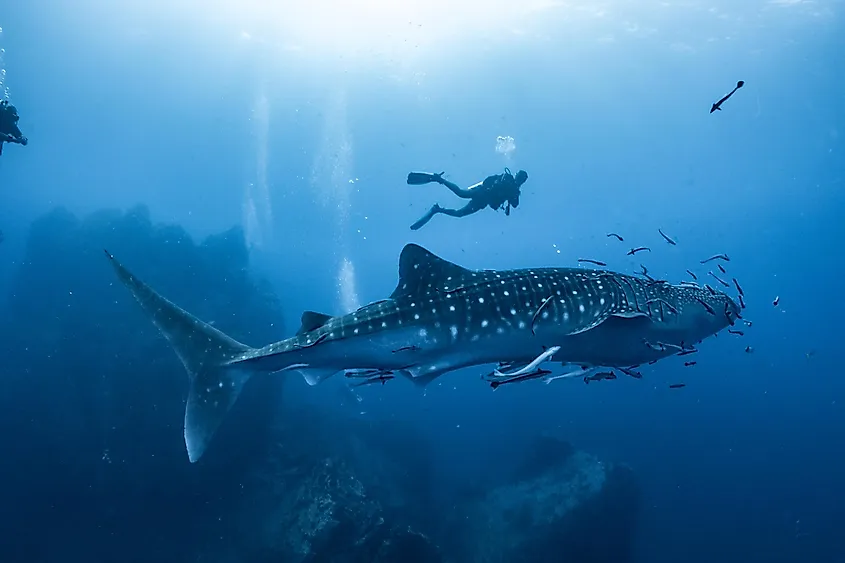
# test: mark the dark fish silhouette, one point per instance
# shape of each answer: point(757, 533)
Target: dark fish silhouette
point(666, 237)
point(591, 261)
point(716, 257)
point(718, 105)
point(599, 376)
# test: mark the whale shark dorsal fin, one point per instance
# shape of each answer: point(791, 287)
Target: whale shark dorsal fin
point(312, 321)
point(421, 271)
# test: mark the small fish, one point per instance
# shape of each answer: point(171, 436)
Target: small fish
point(677, 386)
point(749, 350)
point(666, 237)
point(738, 287)
point(710, 289)
point(644, 270)
point(718, 105)
point(590, 261)
point(720, 280)
point(776, 301)
point(721, 268)
point(687, 352)
point(620, 239)
point(377, 379)
point(406, 348)
point(737, 332)
point(689, 364)
point(609, 375)
point(729, 316)
point(521, 377)
point(365, 373)
point(706, 306)
point(638, 249)
point(716, 257)
point(692, 275)
point(630, 372)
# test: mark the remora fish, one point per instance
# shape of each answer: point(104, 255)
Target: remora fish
point(442, 317)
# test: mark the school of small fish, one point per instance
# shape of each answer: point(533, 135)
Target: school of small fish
point(535, 371)
point(718, 259)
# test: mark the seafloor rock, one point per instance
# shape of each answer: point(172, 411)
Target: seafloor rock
point(327, 515)
point(93, 396)
point(572, 507)
point(335, 496)
point(308, 505)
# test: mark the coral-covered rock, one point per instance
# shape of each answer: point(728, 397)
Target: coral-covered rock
point(570, 507)
point(93, 399)
point(306, 504)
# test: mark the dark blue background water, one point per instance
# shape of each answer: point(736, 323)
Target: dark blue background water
point(204, 115)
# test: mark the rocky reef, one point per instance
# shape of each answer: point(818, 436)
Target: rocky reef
point(326, 500)
point(93, 397)
point(560, 505)
point(93, 405)
point(345, 495)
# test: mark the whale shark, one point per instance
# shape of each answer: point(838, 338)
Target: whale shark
point(442, 317)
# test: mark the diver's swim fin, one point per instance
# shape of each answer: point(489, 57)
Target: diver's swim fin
point(420, 178)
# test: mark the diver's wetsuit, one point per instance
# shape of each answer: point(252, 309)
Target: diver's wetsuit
point(9, 131)
point(496, 191)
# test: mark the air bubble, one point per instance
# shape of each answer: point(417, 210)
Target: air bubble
point(505, 145)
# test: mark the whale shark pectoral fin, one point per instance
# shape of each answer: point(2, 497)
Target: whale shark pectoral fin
point(590, 326)
point(313, 376)
point(419, 380)
point(423, 374)
point(626, 317)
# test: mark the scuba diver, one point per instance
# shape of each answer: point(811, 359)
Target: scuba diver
point(497, 191)
point(9, 131)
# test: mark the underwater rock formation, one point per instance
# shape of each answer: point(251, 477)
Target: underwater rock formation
point(346, 494)
point(567, 506)
point(327, 514)
point(93, 397)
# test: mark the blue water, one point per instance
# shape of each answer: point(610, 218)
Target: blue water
point(301, 128)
